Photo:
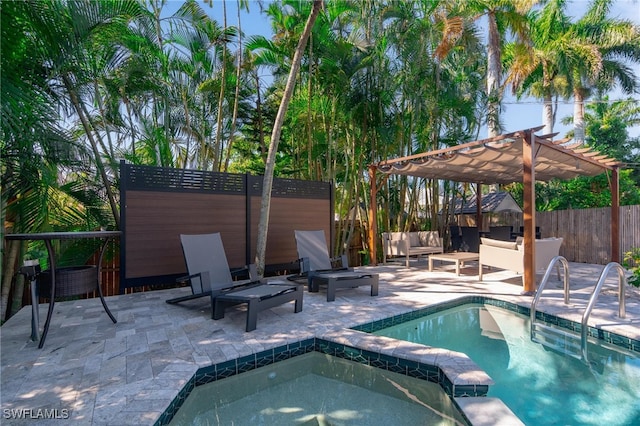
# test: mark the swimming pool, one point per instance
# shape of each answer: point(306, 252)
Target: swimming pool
point(317, 388)
point(540, 386)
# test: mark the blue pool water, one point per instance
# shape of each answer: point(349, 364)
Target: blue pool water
point(540, 386)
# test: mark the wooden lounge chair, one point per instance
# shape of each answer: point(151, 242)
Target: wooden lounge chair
point(209, 275)
point(319, 269)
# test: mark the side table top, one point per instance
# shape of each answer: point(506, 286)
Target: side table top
point(462, 255)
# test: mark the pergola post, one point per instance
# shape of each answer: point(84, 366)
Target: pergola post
point(615, 215)
point(479, 206)
point(373, 216)
point(529, 201)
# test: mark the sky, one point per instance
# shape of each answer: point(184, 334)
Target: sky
point(516, 115)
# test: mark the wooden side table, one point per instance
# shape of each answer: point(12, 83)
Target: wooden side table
point(458, 258)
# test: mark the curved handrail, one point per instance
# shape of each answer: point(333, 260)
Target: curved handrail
point(622, 281)
point(543, 283)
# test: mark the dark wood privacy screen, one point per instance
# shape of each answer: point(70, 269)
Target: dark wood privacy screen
point(158, 204)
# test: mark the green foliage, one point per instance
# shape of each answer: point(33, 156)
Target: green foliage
point(608, 124)
point(631, 261)
point(378, 80)
point(580, 193)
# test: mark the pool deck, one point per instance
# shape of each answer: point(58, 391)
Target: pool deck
point(100, 373)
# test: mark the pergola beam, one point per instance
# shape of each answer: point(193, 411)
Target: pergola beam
point(513, 135)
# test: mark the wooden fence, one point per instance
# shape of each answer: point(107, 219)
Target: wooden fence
point(586, 233)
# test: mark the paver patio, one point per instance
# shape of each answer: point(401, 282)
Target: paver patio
point(101, 373)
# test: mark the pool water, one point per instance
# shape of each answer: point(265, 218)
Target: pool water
point(318, 389)
point(540, 386)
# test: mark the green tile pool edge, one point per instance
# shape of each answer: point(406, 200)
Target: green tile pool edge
point(620, 341)
point(225, 369)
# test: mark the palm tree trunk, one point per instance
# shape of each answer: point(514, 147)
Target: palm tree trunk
point(578, 115)
point(547, 114)
point(263, 225)
point(217, 151)
point(494, 71)
point(18, 288)
point(132, 128)
point(237, 95)
point(309, 113)
point(13, 247)
point(103, 115)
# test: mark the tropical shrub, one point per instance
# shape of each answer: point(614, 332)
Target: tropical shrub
point(631, 261)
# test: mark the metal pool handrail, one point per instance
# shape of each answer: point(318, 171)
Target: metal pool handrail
point(622, 313)
point(543, 283)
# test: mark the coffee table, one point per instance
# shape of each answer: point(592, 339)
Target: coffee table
point(458, 258)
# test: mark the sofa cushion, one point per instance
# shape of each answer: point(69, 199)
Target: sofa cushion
point(414, 239)
point(511, 245)
point(429, 238)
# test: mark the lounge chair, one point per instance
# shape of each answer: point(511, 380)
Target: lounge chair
point(209, 275)
point(317, 266)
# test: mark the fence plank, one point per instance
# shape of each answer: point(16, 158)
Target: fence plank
point(586, 232)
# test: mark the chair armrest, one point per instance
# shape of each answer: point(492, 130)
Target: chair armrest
point(340, 261)
point(511, 260)
point(305, 265)
point(197, 286)
point(187, 277)
point(246, 272)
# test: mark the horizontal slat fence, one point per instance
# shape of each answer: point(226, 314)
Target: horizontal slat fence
point(158, 204)
point(586, 232)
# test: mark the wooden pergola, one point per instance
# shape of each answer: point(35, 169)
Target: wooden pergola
point(520, 156)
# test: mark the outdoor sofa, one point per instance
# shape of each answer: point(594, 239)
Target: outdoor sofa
point(509, 255)
point(407, 244)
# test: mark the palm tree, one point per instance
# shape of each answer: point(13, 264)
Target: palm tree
point(241, 4)
point(502, 16)
point(568, 59)
point(606, 127)
point(604, 46)
point(539, 69)
point(36, 149)
point(263, 224)
point(78, 42)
